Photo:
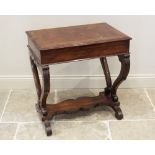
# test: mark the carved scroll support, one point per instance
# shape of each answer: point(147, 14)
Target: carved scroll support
point(125, 67)
point(112, 89)
point(42, 92)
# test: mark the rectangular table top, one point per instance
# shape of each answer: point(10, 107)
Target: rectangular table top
point(57, 45)
point(73, 36)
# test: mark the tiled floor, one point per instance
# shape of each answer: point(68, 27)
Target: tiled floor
point(19, 120)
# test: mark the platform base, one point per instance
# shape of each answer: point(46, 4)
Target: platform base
point(75, 105)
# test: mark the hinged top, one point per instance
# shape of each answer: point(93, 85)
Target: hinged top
point(72, 36)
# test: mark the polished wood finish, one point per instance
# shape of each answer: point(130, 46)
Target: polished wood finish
point(73, 36)
point(74, 105)
point(125, 67)
point(36, 78)
point(49, 46)
point(107, 75)
point(72, 43)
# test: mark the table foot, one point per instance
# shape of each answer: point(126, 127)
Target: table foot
point(46, 122)
point(115, 105)
point(118, 112)
point(48, 128)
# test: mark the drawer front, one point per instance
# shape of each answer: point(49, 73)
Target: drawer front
point(85, 52)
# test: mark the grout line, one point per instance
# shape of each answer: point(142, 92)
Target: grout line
point(12, 122)
point(17, 129)
point(30, 122)
point(136, 120)
point(109, 131)
point(146, 92)
point(124, 120)
point(132, 120)
point(5, 104)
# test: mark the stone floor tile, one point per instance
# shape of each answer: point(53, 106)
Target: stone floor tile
point(137, 123)
point(7, 131)
point(132, 130)
point(63, 94)
point(3, 97)
point(135, 104)
point(65, 130)
point(21, 107)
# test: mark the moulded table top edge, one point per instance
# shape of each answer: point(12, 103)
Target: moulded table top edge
point(121, 36)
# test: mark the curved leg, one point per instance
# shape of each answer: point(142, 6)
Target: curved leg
point(107, 75)
point(44, 94)
point(36, 78)
point(45, 88)
point(125, 67)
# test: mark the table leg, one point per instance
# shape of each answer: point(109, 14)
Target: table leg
point(112, 89)
point(45, 88)
point(106, 71)
point(125, 67)
point(42, 92)
point(36, 78)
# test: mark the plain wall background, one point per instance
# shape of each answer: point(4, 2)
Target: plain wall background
point(14, 58)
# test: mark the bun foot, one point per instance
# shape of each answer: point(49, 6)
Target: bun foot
point(118, 112)
point(48, 128)
point(119, 115)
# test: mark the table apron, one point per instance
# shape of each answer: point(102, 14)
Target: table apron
point(84, 52)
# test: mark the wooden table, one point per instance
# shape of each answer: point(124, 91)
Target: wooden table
point(61, 45)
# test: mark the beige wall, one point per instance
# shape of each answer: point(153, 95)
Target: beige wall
point(14, 60)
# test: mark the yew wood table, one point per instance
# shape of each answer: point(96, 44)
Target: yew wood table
point(58, 45)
